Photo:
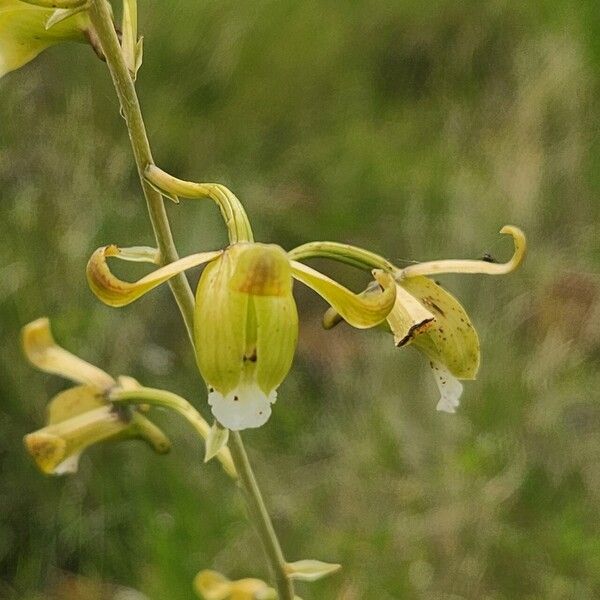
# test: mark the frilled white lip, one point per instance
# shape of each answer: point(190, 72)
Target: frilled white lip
point(246, 407)
point(450, 388)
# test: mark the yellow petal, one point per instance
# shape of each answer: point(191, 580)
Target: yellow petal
point(23, 33)
point(44, 353)
point(359, 311)
point(116, 292)
point(211, 585)
point(56, 448)
point(80, 417)
point(74, 402)
point(474, 266)
point(451, 339)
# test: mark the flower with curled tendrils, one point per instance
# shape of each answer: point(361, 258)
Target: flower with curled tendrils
point(245, 320)
point(425, 315)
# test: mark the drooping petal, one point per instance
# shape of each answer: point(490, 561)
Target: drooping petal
point(231, 208)
point(56, 448)
point(80, 417)
point(449, 386)
point(359, 311)
point(437, 267)
point(23, 33)
point(407, 318)
point(116, 292)
point(44, 353)
point(451, 339)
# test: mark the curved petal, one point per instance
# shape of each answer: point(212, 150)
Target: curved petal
point(359, 311)
point(451, 339)
point(45, 354)
point(116, 292)
point(407, 319)
point(437, 267)
point(23, 33)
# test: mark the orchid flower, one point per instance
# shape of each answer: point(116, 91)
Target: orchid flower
point(80, 416)
point(245, 319)
point(424, 314)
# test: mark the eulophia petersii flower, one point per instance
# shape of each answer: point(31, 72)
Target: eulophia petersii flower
point(27, 29)
point(81, 415)
point(425, 315)
point(245, 318)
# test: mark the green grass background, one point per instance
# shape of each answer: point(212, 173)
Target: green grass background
point(415, 129)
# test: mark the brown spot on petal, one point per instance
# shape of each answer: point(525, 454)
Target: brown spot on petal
point(414, 331)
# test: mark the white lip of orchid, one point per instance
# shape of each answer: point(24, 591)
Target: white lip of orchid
point(68, 466)
point(245, 407)
point(450, 388)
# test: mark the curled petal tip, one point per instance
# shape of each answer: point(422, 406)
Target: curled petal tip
point(116, 292)
point(438, 267)
point(520, 242)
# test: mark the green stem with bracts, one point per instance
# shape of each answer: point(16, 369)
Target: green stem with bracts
point(102, 22)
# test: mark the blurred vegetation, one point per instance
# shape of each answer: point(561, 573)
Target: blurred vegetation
point(417, 130)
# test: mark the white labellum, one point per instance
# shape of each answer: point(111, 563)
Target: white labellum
point(450, 388)
point(245, 407)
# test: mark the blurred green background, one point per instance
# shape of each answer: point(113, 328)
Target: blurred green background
point(414, 129)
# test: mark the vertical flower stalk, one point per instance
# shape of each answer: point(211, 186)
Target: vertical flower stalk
point(102, 22)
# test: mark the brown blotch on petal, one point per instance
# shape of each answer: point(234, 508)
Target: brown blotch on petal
point(414, 331)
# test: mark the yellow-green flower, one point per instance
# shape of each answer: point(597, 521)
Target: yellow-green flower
point(245, 323)
point(79, 416)
point(26, 30)
point(211, 585)
point(428, 317)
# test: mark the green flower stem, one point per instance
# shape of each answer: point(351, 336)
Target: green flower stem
point(261, 517)
point(231, 208)
point(180, 405)
point(101, 19)
point(352, 255)
point(100, 16)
